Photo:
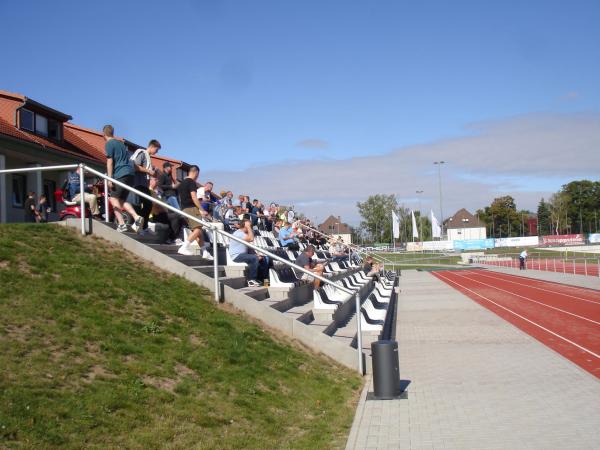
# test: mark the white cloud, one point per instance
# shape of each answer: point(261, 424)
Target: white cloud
point(527, 156)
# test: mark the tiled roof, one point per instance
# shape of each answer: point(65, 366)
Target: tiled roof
point(89, 141)
point(456, 221)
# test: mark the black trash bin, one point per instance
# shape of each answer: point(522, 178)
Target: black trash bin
point(386, 370)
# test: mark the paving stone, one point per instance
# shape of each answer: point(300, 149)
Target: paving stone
point(476, 382)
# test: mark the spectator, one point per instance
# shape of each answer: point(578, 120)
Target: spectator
point(31, 213)
point(369, 268)
point(223, 206)
point(257, 265)
point(161, 215)
point(305, 260)
point(74, 194)
point(168, 185)
point(287, 237)
point(120, 167)
point(336, 249)
point(142, 163)
point(190, 204)
point(256, 212)
point(207, 197)
point(523, 260)
point(43, 209)
point(277, 227)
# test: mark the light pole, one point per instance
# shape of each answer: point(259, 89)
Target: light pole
point(439, 165)
point(420, 217)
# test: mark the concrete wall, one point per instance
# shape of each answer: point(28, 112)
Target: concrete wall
point(272, 318)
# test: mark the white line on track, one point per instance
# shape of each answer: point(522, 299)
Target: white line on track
point(521, 317)
point(530, 299)
point(520, 276)
point(474, 272)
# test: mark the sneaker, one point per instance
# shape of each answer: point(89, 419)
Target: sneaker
point(207, 255)
point(253, 283)
point(139, 224)
point(122, 228)
point(169, 242)
point(185, 250)
point(134, 227)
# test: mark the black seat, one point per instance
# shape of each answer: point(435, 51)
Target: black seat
point(376, 303)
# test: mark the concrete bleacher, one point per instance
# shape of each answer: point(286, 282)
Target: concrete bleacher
point(287, 303)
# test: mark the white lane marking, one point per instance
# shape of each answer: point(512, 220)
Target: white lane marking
point(530, 299)
point(475, 272)
point(521, 317)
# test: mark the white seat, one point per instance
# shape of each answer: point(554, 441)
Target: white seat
point(336, 294)
point(231, 262)
point(319, 305)
point(374, 313)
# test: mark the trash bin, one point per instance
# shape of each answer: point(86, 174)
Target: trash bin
point(386, 370)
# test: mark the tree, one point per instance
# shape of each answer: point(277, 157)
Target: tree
point(501, 217)
point(558, 212)
point(584, 202)
point(544, 219)
point(376, 214)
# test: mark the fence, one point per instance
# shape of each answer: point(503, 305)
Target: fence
point(587, 266)
point(82, 169)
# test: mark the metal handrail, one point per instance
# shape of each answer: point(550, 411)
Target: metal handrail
point(82, 168)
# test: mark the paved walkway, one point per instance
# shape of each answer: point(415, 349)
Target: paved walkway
point(557, 277)
point(476, 382)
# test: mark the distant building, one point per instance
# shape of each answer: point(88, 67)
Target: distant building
point(335, 227)
point(463, 226)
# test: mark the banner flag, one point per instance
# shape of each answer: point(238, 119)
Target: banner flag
point(436, 230)
point(395, 225)
point(414, 226)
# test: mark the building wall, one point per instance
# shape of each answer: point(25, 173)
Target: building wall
point(459, 234)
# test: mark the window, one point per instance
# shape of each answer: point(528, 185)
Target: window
point(49, 189)
point(41, 125)
point(54, 130)
point(26, 119)
point(19, 186)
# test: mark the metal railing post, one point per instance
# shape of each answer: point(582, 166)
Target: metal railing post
point(106, 201)
point(359, 334)
point(216, 264)
point(82, 197)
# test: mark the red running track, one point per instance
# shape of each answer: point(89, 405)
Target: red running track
point(565, 319)
point(589, 268)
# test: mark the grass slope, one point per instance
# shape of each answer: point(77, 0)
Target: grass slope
point(100, 350)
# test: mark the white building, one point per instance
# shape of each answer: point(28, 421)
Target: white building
point(464, 226)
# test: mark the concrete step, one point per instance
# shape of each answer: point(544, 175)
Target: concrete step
point(257, 293)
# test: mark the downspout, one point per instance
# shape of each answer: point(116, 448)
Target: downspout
point(17, 111)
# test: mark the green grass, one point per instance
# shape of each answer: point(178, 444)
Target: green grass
point(541, 253)
point(100, 350)
point(420, 259)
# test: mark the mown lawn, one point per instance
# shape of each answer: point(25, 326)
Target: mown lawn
point(418, 259)
point(100, 350)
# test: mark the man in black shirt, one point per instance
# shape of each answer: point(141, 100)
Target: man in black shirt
point(190, 204)
point(305, 260)
point(168, 186)
point(31, 213)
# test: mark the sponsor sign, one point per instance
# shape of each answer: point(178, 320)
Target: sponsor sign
point(414, 246)
point(517, 241)
point(474, 244)
point(438, 245)
point(558, 240)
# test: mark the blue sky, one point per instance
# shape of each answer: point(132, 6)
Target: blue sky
point(236, 84)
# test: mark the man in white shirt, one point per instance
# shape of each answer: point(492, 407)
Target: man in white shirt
point(522, 260)
point(240, 253)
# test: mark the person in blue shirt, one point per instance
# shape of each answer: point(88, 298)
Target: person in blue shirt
point(287, 237)
point(74, 194)
point(120, 167)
